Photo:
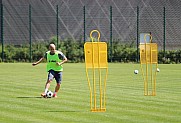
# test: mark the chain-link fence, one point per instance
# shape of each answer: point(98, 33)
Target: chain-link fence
point(40, 21)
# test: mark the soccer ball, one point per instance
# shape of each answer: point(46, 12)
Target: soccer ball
point(49, 94)
point(135, 71)
point(158, 70)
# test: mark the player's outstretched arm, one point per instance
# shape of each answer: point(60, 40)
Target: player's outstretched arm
point(35, 63)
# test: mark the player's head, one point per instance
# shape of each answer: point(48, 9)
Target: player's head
point(52, 48)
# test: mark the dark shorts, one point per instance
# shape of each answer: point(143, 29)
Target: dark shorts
point(55, 74)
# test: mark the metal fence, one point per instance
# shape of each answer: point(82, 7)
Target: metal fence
point(25, 24)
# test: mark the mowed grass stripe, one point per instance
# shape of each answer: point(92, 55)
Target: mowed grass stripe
point(22, 108)
point(65, 98)
point(20, 112)
point(47, 117)
point(150, 112)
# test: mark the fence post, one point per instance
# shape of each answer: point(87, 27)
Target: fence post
point(57, 26)
point(84, 23)
point(110, 44)
point(2, 33)
point(30, 34)
point(137, 42)
point(164, 30)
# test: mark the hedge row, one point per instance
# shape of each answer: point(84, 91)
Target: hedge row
point(75, 52)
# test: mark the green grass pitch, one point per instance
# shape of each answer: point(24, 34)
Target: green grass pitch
point(21, 85)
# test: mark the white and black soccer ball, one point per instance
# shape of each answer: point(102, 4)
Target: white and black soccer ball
point(136, 71)
point(49, 94)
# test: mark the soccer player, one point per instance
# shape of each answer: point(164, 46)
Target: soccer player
point(55, 59)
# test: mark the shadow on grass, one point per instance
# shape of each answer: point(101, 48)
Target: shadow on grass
point(28, 97)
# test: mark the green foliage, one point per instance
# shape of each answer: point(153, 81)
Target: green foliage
point(38, 50)
point(123, 52)
point(74, 51)
point(170, 57)
point(16, 53)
